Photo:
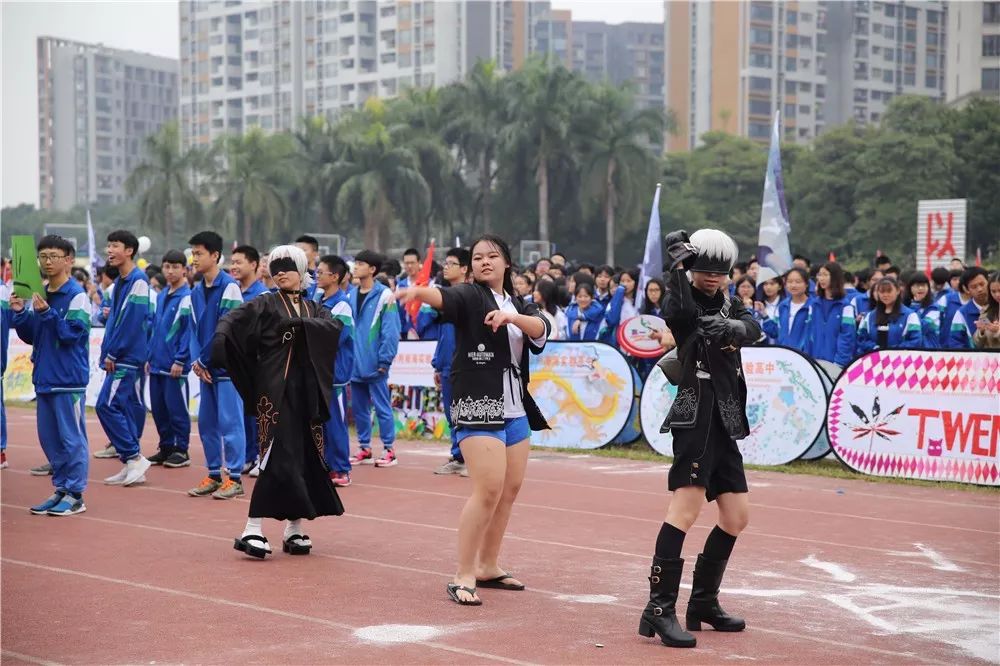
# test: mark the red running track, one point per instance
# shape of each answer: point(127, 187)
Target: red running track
point(830, 571)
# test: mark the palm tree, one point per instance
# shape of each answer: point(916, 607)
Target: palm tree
point(541, 105)
point(161, 182)
point(314, 149)
point(479, 107)
point(618, 157)
point(248, 186)
point(375, 178)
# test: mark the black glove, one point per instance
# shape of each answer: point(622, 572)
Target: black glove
point(680, 252)
point(722, 332)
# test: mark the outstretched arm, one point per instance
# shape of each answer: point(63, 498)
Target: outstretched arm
point(429, 295)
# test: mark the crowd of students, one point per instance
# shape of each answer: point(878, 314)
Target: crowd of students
point(159, 324)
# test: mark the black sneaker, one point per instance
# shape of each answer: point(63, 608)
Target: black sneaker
point(161, 455)
point(177, 459)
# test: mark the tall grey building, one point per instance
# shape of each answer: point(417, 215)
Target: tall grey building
point(268, 64)
point(972, 59)
point(622, 53)
point(879, 50)
point(95, 106)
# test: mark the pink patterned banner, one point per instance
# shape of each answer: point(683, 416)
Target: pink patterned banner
point(919, 414)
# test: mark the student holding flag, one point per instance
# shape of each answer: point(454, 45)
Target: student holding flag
point(57, 326)
point(124, 353)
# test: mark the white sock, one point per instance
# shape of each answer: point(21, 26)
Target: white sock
point(253, 527)
point(293, 527)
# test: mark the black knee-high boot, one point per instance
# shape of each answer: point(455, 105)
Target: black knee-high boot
point(660, 614)
point(704, 604)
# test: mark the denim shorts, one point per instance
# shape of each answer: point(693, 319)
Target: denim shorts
point(514, 431)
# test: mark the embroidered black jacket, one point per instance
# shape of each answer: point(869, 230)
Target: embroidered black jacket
point(683, 306)
point(482, 358)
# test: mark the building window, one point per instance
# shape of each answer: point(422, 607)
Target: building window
point(760, 107)
point(820, 91)
point(889, 55)
point(890, 9)
point(760, 11)
point(932, 37)
point(887, 76)
point(911, 35)
point(761, 36)
point(909, 79)
point(991, 12)
point(790, 87)
point(790, 110)
point(804, 109)
point(760, 84)
point(991, 45)
point(931, 81)
point(791, 64)
point(759, 130)
point(792, 17)
point(860, 71)
point(861, 95)
point(889, 32)
point(911, 13)
point(991, 76)
point(760, 60)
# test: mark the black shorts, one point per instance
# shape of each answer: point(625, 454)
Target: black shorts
point(706, 455)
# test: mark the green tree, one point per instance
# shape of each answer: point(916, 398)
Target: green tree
point(541, 105)
point(309, 193)
point(249, 181)
point(617, 162)
point(162, 182)
point(375, 180)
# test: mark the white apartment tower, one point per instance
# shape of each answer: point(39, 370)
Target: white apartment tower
point(972, 58)
point(96, 105)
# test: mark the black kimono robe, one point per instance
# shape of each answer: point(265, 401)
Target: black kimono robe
point(282, 366)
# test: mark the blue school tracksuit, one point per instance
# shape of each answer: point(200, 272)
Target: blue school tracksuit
point(170, 344)
point(832, 331)
point(376, 339)
point(930, 325)
point(444, 351)
point(428, 325)
point(949, 304)
point(126, 343)
point(612, 318)
point(220, 414)
point(249, 418)
point(6, 317)
point(592, 317)
point(963, 326)
point(60, 340)
point(905, 332)
point(795, 335)
point(338, 443)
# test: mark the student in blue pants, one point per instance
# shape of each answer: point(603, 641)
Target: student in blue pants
point(376, 339)
point(456, 269)
point(220, 412)
point(58, 329)
point(243, 267)
point(169, 364)
point(331, 278)
point(6, 316)
point(124, 352)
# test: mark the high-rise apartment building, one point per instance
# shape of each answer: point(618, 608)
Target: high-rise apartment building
point(553, 32)
point(972, 51)
point(96, 105)
point(622, 53)
point(731, 65)
point(878, 50)
point(268, 64)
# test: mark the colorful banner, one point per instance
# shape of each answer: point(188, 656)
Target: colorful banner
point(821, 447)
point(416, 402)
point(785, 406)
point(633, 428)
point(919, 415)
point(585, 390)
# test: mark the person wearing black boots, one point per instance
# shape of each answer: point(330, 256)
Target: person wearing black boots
point(707, 417)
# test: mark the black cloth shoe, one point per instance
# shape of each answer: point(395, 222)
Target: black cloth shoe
point(160, 456)
point(704, 604)
point(177, 459)
point(660, 615)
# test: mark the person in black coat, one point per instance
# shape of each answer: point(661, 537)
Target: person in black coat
point(707, 417)
point(493, 414)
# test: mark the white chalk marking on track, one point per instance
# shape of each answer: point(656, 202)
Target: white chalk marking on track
point(388, 634)
point(939, 561)
point(28, 658)
point(587, 598)
point(838, 572)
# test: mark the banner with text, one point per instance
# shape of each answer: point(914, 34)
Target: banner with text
point(416, 399)
point(584, 390)
point(940, 232)
point(785, 406)
point(919, 415)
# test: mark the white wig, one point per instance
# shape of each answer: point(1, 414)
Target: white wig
point(298, 256)
point(716, 245)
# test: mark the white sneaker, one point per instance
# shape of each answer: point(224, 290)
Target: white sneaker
point(255, 470)
point(117, 479)
point(107, 452)
point(135, 470)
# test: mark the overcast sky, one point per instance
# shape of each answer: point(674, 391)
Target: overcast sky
point(139, 25)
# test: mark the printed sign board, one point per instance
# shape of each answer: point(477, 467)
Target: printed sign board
point(940, 232)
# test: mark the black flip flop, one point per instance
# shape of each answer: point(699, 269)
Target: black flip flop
point(498, 583)
point(246, 545)
point(453, 589)
point(292, 547)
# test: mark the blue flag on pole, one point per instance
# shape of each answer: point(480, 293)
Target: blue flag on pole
point(773, 254)
point(652, 258)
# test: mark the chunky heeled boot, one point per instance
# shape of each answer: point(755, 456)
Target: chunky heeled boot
point(660, 614)
point(704, 604)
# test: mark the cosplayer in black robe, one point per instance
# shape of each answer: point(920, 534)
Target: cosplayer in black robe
point(281, 362)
